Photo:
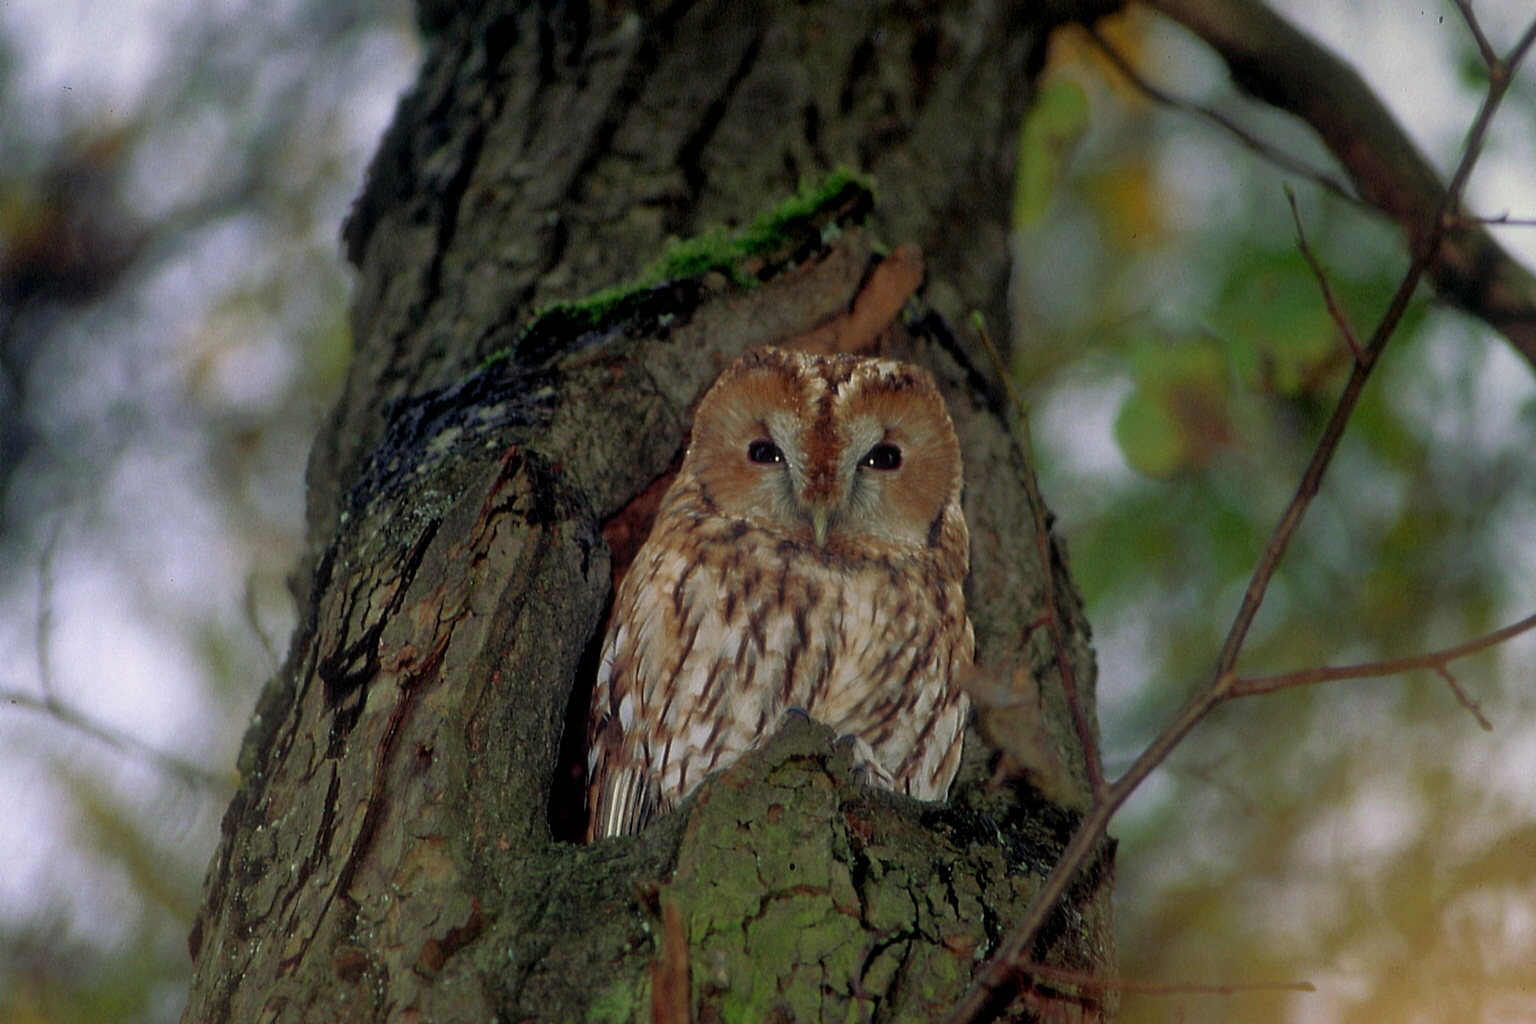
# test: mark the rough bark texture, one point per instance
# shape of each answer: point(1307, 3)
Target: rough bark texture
point(390, 852)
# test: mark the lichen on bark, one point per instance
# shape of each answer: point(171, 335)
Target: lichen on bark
point(849, 895)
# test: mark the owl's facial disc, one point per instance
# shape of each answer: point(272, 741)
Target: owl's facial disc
point(822, 487)
point(834, 502)
point(776, 456)
point(801, 479)
point(839, 480)
point(829, 452)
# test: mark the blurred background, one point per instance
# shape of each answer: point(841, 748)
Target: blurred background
point(1367, 837)
point(173, 327)
point(173, 177)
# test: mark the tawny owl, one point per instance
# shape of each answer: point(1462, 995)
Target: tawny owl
point(811, 554)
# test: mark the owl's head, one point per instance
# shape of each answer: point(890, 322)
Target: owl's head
point(827, 450)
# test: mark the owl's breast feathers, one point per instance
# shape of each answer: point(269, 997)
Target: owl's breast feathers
point(811, 553)
point(721, 626)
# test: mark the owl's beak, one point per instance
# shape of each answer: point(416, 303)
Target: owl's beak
point(821, 522)
point(822, 498)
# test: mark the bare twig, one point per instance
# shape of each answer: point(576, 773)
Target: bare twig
point(1502, 220)
point(1334, 430)
point(42, 639)
point(1003, 964)
point(253, 621)
point(1434, 661)
point(1266, 150)
point(1062, 976)
point(1274, 61)
point(1490, 56)
point(1462, 697)
point(670, 1000)
point(51, 704)
point(1322, 279)
point(1080, 720)
point(120, 741)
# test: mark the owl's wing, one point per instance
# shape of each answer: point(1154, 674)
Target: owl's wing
point(623, 795)
point(668, 707)
point(624, 791)
point(624, 804)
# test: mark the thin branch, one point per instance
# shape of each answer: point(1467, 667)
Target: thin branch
point(1434, 660)
point(1322, 279)
point(253, 622)
point(1490, 56)
point(1062, 976)
point(1026, 443)
point(670, 999)
point(1266, 150)
point(54, 706)
point(42, 638)
point(1465, 699)
point(1002, 965)
point(120, 741)
point(1334, 431)
point(1279, 64)
point(1502, 220)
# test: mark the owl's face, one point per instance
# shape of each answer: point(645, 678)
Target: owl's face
point(827, 451)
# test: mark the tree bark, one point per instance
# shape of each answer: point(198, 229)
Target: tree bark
point(400, 846)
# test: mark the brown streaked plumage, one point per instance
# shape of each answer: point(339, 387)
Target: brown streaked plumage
point(810, 554)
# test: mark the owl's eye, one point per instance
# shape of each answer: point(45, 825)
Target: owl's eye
point(764, 453)
point(882, 456)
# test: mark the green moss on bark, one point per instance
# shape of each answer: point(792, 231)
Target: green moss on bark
point(800, 226)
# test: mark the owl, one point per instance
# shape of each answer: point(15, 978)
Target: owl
point(811, 554)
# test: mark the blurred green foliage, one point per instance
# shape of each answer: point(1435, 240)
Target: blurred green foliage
point(1048, 136)
point(1350, 834)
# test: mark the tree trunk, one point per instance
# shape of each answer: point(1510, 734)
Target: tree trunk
point(403, 841)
